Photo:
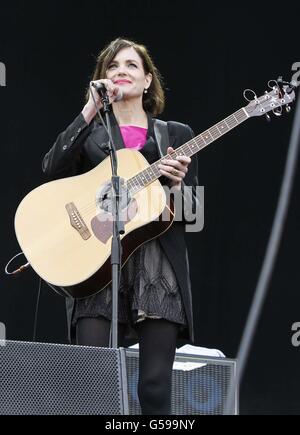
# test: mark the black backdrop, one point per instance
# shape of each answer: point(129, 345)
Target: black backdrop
point(208, 54)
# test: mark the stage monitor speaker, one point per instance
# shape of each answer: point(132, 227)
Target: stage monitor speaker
point(200, 384)
point(54, 379)
point(46, 379)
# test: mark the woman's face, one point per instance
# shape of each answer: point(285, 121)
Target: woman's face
point(127, 71)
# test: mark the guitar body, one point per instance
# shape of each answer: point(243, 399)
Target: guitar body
point(64, 227)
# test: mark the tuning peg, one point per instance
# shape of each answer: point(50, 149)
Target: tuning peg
point(288, 108)
point(268, 117)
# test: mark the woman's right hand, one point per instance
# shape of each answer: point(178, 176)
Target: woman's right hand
point(89, 111)
point(112, 92)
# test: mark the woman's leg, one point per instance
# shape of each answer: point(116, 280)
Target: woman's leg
point(157, 343)
point(95, 332)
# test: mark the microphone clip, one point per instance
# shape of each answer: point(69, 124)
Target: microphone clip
point(102, 91)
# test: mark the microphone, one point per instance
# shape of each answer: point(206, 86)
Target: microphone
point(102, 91)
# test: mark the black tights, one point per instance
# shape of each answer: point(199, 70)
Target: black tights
point(157, 343)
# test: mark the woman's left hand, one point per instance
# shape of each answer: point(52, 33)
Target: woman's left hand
point(176, 169)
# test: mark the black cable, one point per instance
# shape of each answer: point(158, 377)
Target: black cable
point(269, 260)
point(16, 272)
point(37, 310)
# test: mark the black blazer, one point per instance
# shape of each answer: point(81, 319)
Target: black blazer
point(81, 147)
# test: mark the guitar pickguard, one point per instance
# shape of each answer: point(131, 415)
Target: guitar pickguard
point(102, 224)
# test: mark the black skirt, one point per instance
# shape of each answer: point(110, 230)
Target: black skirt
point(148, 289)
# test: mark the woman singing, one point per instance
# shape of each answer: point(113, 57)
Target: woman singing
point(155, 295)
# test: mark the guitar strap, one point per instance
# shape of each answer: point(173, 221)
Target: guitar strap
point(162, 136)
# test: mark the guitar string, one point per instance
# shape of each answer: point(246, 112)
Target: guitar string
point(138, 182)
point(145, 178)
point(210, 135)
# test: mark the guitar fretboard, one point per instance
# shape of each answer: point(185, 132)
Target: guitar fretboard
point(193, 146)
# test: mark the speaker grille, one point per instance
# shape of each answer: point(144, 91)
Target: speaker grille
point(200, 391)
point(51, 379)
point(57, 379)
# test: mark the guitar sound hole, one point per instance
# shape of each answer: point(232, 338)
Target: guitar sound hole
point(105, 195)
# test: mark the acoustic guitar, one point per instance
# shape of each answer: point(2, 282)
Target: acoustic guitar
point(64, 227)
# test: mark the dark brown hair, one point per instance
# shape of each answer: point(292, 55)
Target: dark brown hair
point(154, 100)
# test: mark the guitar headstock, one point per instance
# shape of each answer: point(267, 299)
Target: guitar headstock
point(281, 95)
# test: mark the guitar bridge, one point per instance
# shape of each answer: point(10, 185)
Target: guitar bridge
point(77, 221)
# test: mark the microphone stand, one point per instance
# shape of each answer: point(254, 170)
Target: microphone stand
point(118, 225)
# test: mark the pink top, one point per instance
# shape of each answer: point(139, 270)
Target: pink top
point(134, 137)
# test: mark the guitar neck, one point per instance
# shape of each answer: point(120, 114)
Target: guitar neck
point(193, 146)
